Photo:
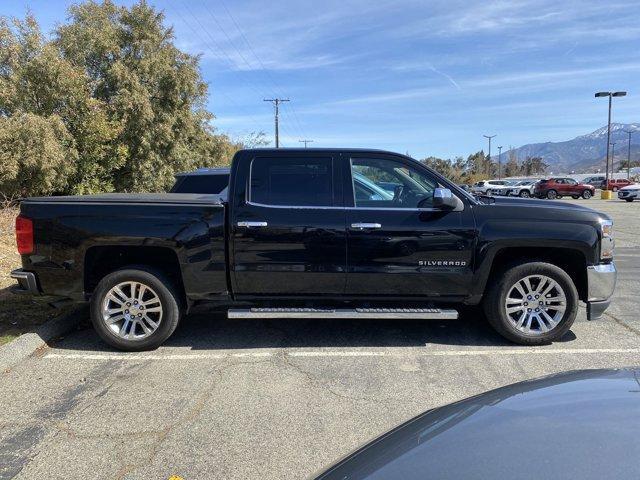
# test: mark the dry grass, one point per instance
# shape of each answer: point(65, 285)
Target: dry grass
point(18, 313)
point(9, 258)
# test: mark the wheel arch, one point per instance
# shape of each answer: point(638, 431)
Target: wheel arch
point(100, 261)
point(573, 261)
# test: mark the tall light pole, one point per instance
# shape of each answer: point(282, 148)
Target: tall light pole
point(613, 156)
point(629, 132)
point(610, 95)
point(276, 102)
point(489, 164)
point(499, 162)
point(305, 142)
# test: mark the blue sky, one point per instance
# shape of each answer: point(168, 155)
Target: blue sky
point(424, 77)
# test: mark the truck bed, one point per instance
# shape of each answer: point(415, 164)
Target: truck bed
point(75, 237)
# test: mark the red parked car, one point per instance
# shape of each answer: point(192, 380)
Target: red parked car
point(559, 187)
point(616, 184)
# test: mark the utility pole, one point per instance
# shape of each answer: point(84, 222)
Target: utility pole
point(305, 142)
point(629, 155)
point(489, 163)
point(499, 162)
point(276, 102)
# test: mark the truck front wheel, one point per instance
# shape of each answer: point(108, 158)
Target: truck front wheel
point(532, 304)
point(134, 309)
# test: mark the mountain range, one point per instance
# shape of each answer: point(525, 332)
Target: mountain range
point(585, 153)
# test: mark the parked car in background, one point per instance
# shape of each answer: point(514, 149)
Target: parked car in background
point(490, 187)
point(595, 181)
point(559, 187)
point(616, 184)
point(593, 417)
point(203, 180)
point(630, 192)
point(523, 188)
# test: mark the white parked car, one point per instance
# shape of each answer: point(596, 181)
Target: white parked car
point(490, 187)
point(630, 192)
point(523, 188)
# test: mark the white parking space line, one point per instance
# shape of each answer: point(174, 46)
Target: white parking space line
point(348, 353)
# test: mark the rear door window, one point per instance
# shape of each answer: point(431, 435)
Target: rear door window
point(290, 181)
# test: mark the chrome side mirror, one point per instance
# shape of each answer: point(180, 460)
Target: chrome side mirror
point(444, 199)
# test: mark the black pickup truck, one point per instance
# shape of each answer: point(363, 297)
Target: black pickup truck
point(338, 233)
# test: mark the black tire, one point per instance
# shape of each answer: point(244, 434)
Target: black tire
point(614, 189)
point(575, 197)
point(499, 288)
point(169, 301)
point(587, 194)
point(524, 194)
point(552, 194)
point(629, 199)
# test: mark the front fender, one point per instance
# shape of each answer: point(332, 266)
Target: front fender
point(495, 236)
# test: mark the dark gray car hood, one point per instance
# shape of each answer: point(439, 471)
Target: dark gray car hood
point(577, 425)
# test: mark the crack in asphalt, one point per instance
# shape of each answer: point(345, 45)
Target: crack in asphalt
point(315, 382)
point(623, 324)
point(192, 414)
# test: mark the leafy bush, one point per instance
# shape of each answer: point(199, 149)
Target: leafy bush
point(107, 104)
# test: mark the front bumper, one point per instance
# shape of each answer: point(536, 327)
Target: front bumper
point(27, 282)
point(601, 282)
point(623, 194)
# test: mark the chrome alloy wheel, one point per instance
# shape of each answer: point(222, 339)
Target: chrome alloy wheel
point(535, 304)
point(132, 310)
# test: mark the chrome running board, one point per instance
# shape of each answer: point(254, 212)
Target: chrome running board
point(416, 313)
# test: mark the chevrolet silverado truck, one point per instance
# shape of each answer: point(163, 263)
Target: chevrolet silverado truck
point(310, 233)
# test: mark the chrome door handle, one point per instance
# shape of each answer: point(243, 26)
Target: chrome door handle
point(252, 224)
point(365, 226)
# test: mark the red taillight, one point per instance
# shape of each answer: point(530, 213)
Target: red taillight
point(24, 235)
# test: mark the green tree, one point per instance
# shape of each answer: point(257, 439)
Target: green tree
point(512, 168)
point(152, 89)
point(36, 81)
point(115, 104)
point(533, 166)
point(36, 155)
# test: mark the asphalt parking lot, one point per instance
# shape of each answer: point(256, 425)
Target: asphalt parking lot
point(277, 399)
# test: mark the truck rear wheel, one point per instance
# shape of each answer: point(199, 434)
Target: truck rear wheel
point(532, 304)
point(134, 309)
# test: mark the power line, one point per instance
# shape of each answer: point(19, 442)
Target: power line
point(276, 102)
point(233, 102)
point(262, 65)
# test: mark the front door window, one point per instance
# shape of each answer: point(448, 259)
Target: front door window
point(384, 183)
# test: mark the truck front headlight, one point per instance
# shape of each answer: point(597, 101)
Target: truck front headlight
point(607, 243)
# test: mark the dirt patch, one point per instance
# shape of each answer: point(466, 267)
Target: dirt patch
point(18, 313)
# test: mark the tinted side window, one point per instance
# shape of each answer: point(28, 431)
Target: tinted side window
point(292, 181)
point(201, 184)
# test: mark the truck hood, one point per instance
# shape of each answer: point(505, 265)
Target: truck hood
point(534, 202)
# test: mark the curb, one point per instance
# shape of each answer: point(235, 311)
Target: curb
point(28, 343)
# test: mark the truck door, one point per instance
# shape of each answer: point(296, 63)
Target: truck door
point(288, 234)
point(398, 244)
